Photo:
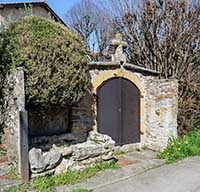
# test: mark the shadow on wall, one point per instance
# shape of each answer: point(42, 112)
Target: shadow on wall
point(62, 126)
point(55, 121)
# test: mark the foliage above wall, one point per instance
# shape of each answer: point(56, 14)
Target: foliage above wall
point(53, 59)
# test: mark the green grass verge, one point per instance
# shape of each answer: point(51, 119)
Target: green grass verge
point(80, 190)
point(48, 183)
point(181, 148)
point(119, 152)
point(21, 188)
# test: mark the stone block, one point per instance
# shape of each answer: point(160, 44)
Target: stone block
point(64, 166)
point(41, 162)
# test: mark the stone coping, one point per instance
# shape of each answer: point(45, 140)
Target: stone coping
point(140, 69)
point(104, 65)
point(128, 66)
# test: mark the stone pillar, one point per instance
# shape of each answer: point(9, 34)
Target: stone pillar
point(14, 101)
point(161, 109)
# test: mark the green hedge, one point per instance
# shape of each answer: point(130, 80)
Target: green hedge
point(54, 60)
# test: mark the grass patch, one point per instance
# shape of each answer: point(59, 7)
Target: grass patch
point(119, 152)
point(80, 190)
point(180, 148)
point(48, 183)
point(70, 177)
point(21, 188)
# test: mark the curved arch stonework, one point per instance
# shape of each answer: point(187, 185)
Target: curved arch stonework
point(103, 76)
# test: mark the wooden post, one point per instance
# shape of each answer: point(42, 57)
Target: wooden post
point(24, 146)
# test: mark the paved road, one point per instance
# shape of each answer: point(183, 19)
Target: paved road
point(183, 176)
point(149, 175)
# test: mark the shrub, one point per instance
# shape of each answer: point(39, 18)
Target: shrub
point(180, 148)
point(52, 57)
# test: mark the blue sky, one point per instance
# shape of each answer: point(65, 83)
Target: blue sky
point(59, 6)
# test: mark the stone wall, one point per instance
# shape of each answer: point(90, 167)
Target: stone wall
point(96, 148)
point(82, 117)
point(159, 104)
point(161, 109)
point(53, 122)
point(65, 126)
point(72, 125)
point(14, 101)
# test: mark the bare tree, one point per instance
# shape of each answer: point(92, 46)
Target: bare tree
point(164, 35)
point(90, 21)
point(81, 19)
point(189, 105)
point(103, 32)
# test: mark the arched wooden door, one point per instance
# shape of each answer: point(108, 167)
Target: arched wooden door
point(119, 110)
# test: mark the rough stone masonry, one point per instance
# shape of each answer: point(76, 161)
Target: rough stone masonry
point(158, 118)
point(159, 104)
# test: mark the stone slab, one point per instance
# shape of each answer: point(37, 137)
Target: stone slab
point(141, 155)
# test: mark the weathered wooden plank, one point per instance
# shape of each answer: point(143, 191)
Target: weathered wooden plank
point(24, 146)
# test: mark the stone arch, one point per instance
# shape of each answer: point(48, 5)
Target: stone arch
point(103, 76)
